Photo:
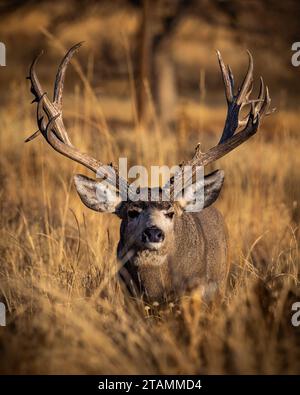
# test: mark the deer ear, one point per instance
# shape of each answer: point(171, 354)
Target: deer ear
point(213, 183)
point(202, 194)
point(97, 195)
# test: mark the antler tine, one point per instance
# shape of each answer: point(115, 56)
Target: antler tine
point(44, 104)
point(32, 136)
point(60, 76)
point(259, 108)
point(229, 138)
point(266, 104)
point(36, 88)
point(53, 129)
point(59, 87)
point(227, 78)
point(246, 86)
point(231, 76)
point(258, 103)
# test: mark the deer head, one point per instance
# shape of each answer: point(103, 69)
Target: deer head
point(149, 225)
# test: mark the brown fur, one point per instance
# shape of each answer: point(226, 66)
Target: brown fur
point(195, 257)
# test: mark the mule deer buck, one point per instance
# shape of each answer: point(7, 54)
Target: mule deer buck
point(165, 250)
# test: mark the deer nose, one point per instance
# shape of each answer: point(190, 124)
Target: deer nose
point(153, 235)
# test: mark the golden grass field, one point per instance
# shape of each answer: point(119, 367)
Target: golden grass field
point(67, 312)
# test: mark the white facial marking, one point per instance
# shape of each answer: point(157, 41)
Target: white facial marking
point(158, 218)
point(153, 246)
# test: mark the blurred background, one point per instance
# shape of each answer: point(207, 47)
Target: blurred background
point(146, 85)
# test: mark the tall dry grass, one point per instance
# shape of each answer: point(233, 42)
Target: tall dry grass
point(67, 312)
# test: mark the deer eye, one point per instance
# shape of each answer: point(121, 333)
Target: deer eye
point(170, 214)
point(133, 213)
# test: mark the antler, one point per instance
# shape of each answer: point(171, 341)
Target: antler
point(53, 129)
point(229, 140)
